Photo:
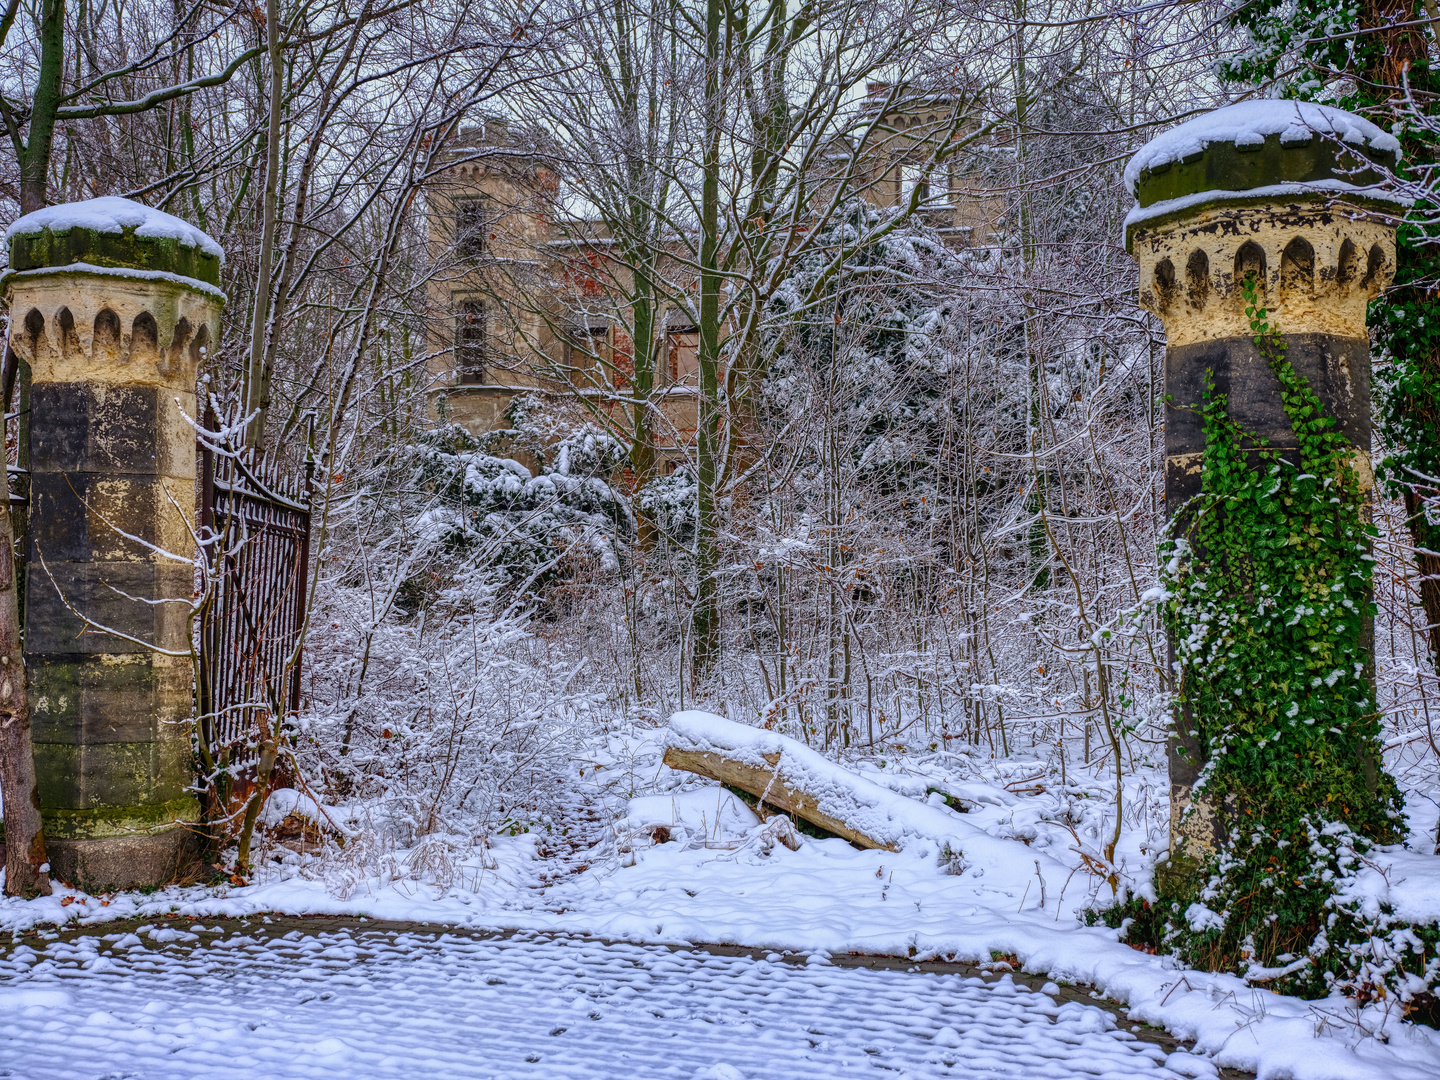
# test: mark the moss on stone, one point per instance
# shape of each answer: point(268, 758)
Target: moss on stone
point(101, 776)
point(124, 251)
point(1223, 166)
point(118, 820)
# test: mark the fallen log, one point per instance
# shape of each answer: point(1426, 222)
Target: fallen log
point(770, 787)
point(792, 778)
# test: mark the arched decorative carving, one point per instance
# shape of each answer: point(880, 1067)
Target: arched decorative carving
point(1250, 262)
point(1197, 278)
point(1375, 268)
point(180, 339)
point(144, 338)
point(69, 337)
point(176, 354)
point(1166, 287)
point(107, 334)
point(34, 331)
point(1347, 271)
point(1297, 268)
point(200, 344)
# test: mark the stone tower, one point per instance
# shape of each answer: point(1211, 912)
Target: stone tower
point(112, 306)
point(1285, 191)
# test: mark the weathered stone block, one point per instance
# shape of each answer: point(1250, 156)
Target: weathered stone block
point(103, 591)
point(117, 697)
point(115, 517)
point(1337, 368)
point(119, 779)
point(105, 427)
point(105, 864)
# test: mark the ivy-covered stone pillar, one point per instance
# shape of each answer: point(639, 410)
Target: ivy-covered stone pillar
point(112, 306)
point(1281, 194)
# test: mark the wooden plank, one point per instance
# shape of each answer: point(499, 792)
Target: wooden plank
point(769, 787)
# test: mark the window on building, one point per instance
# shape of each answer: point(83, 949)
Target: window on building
point(682, 355)
point(932, 180)
point(470, 230)
point(471, 342)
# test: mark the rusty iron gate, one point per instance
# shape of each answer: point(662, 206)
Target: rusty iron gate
point(248, 638)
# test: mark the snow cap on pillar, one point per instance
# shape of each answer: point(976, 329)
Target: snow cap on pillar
point(119, 234)
point(1255, 152)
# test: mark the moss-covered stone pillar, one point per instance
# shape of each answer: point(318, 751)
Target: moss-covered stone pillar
point(1282, 191)
point(112, 306)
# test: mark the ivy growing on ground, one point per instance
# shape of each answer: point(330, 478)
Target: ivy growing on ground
point(1268, 585)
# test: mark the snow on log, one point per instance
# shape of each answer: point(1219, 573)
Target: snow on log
point(767, 784)
point(790, 776)
point(785, 774)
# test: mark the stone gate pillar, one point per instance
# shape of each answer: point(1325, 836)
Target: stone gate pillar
point(1285, 191)
point(112, 305)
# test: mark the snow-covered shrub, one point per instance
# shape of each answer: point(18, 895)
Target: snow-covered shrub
point(558, 435)
point(432, 714)
point(858, 345)
point(442, 724)
point(669, 503)
point(491, 511)
point(1318, 933)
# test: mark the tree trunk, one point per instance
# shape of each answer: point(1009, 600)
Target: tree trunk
point(264, 771)
point(34, 155)
point(257, 371)
point(642, 386)
point(705, 622)
point(26, 868)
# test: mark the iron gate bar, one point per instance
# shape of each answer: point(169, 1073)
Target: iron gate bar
point(257, 613)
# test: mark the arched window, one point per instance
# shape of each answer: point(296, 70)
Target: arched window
point(471, 342)
point(470, 225)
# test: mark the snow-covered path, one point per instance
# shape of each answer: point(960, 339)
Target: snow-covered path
point(182, 1001)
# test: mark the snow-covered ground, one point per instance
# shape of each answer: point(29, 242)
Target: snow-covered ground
point(669, 859)
point(177, 1002)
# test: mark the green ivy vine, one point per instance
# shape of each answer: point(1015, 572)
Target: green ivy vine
point(1354, 56)
point(1268, 604)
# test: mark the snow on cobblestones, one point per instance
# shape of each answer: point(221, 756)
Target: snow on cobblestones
point(402, 1003)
